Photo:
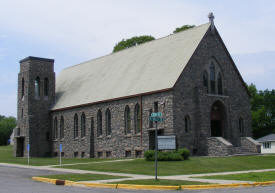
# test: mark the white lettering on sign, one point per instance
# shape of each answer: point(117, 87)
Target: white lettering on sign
point(158, 114)
point(167, 142)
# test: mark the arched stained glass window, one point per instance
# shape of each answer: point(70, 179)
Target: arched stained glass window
point(61, 128)
point(83, 125)
point(55, 130)
point(99, 123)
point(137, 119)
point(46, 87)
point(187, 124)
point(37, 88)
point(75, 126)
point(108, 122)
point(127, 120)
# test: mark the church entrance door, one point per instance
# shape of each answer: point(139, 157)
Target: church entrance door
point(218, 118)
point(20, 147)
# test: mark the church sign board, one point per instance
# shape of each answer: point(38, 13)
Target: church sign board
point(167, 142)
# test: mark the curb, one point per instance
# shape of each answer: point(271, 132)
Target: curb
point(150, 187)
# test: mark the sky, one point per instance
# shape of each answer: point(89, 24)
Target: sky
point(72, 32)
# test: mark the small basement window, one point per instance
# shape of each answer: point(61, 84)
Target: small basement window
point(128, 154)
point(138, 153)
point(108, 154)
point(99, 154)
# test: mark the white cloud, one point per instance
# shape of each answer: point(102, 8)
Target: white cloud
point(93, 27)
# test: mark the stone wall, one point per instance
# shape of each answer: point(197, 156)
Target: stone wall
point(250, 145)
point(116, 144)
point(217, 146)
point(192, 99)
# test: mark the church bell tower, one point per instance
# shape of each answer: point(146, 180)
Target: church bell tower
point(36, 95)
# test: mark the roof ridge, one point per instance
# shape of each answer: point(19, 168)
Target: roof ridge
point(133, 47)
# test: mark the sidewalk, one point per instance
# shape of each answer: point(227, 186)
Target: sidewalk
point(139, 176)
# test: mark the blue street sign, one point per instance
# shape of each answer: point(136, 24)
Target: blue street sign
point(158, 119)
point(158, 114)
point(28, 147)
point(60, 147)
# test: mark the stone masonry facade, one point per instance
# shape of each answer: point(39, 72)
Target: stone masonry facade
point(118, 143)
point(192, 99)
point(33, 113)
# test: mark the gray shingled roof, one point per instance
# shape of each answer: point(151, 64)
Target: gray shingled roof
point(270, 137)
point(146, 68)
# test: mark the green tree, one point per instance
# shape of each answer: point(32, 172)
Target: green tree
point(263, 111)
point(6, 126)
point(182, 28)
point(123, 44)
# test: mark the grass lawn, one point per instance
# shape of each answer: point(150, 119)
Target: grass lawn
point(82, 177)
point(160, 182)
point(253, 176)
point(6, 156)
point(195, 165)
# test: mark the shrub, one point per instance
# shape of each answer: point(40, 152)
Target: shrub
point(177, 155)
point(174, 157)
point(185, 153)
point(149, 155)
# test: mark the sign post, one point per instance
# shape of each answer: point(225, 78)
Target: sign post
point(60, 152)
point(156, 151)
point(157, 117)
point(28, 149)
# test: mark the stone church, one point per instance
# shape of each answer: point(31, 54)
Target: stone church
point(101, 108)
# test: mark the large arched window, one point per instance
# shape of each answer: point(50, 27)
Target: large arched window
point(46, 87)
point(187, 124)
point(23, 88)
point(61, 135)
point(220, 84)
point(92, 128)
point(205, 80)
point(83, 125)
point(108, 122)
point(127, 120)
point(75, 126)
point(99, 123)
point(212, 79)
point(37, 88)
point(55, 130)
point(241, 126)
point(137, 119)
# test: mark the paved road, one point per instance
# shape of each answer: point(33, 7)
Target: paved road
point(17, 180)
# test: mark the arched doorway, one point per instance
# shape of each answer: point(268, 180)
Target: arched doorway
point(218, 119)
